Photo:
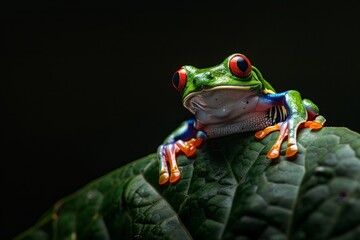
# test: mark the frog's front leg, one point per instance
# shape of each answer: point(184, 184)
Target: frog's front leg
point(299, 113)
point(186, 138)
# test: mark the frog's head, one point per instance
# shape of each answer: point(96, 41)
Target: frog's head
point(235, 73)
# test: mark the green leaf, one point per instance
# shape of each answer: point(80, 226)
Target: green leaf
point(229, 190)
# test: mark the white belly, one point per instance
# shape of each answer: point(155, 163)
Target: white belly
point(227, 111)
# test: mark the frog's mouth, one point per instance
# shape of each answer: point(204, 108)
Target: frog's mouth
point(218, 102)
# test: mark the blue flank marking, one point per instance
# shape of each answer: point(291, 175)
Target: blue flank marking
point(277, 113)
point(186, 131)
point(273, 98)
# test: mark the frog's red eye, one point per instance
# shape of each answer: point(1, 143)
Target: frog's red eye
point(240, 66)
point(179, 79)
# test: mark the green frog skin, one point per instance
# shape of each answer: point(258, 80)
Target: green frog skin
point(229, 98)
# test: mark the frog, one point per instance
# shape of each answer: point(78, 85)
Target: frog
point(229, 98)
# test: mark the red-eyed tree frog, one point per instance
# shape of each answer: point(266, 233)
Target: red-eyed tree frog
point(229, 98)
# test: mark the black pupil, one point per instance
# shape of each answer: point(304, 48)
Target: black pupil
point(241, 64)
point(176, 79)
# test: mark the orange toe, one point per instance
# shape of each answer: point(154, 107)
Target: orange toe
point(291, 150)
point(313, 125)
point(190, 151)
point(260, 134)
point(164, 178)
point(198, 142)
point(274, 152)
point(175, 176)
point(263, 133)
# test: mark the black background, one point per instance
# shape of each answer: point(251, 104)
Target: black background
point(86, 89)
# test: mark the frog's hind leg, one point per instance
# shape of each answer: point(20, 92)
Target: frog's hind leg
point(315, 120)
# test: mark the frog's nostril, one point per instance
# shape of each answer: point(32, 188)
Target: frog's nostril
point(197, 81)
point(202, 79)
point(209, 75)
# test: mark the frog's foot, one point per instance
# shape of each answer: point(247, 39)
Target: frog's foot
point(189, 147)
point(284, 132)
point(284, 129)
point(291, 145)
point(317, 123)
point(167, 154)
